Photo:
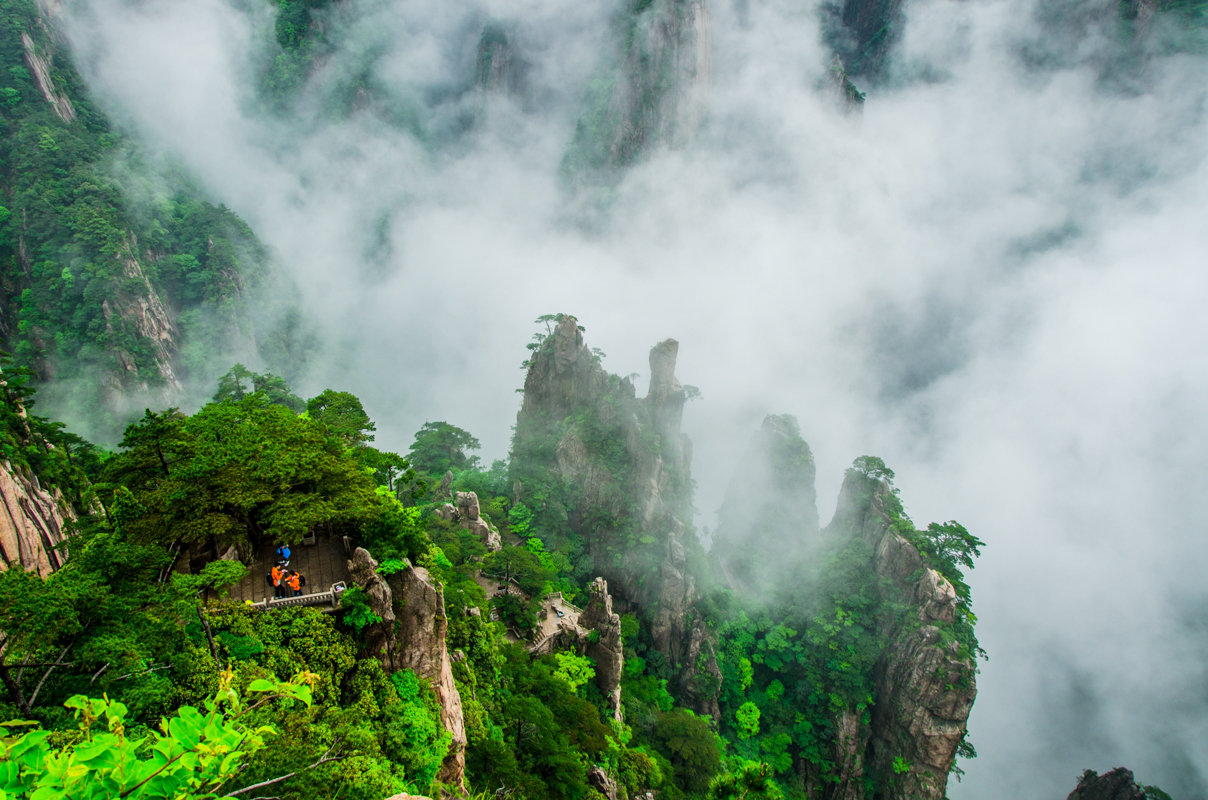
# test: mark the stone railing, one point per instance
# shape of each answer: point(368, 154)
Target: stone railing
point(329, 598)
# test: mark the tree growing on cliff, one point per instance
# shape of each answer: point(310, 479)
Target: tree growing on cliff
point(239, 471)
point(239, 382)
point(344, 416)
point(440, 447)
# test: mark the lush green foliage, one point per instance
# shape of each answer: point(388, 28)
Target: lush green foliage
point(240, 382)
point(195, 755)
point(118, 276)
point(440, 447)
point(238, 471)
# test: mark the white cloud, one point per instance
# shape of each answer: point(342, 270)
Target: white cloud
point(995, 282)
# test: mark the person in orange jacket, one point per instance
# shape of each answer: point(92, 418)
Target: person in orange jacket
point(294, 581)
point(278, 577)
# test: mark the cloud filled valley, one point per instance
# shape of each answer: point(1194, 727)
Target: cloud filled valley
point(993, 278)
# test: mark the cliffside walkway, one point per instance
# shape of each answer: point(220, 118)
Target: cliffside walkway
point(324, 564)
point(557, 613)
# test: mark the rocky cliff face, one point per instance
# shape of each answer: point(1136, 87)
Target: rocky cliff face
point(500, 67)
point(769, 514)
point(39, 69)
point(1118, 784)
point(652, 88)
point(924, 689)
point(768, 548)
point(608, 476)
point(606, 651)
point(138, 311)
point(865, 32)
point(467, 513)
point(32, 522)
point(411, 635)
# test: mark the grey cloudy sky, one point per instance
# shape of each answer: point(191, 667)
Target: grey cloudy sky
point(996, 282)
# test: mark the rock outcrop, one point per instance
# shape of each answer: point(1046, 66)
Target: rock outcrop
point(869, 28)
point(652, 86)
point(467, 513)
point(32, 522)
point(1118, 784)
point(606, 650)
point(769, 543)
point(770, 515)
point(443, 491)
point(138, 312)
point(39, 70)
point(848, 98)
point(500, 67)
point(618, 478)
point(411, 636)
point(602, 782)
point(924, 688)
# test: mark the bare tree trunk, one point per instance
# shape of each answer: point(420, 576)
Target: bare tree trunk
point(14, 688)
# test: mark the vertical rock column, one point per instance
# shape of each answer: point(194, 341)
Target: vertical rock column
point(411, 636)
point(607, 651)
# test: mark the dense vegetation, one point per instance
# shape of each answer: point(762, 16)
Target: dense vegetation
point(116, 624)
point(117, 276)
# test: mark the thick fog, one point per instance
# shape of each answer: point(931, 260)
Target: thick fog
point(996, 281)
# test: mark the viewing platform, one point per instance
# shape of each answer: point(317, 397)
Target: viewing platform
point(324, 564)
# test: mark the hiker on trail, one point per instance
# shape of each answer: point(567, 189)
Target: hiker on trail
point(278, 578)
point(295, 583)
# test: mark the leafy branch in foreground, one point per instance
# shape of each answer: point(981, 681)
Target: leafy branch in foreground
point(195, 753)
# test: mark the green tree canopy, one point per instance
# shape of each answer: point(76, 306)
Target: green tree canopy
point(239, 471)
point(751, 781)
point(688, 743)
point(239, 382)
point(440, 447)
point(343, 415)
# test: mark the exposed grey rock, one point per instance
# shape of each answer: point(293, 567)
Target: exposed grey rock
point(652, 86)
point(411, 635)
point(924, 688)
point(500, 67)
point(32, 522)
point(467, 512)
point(483, 530)
point(701, 677)
point(602, 782)
point(446, 483)
point(39, 68)
point(652, 489)
point(607, 651)
point(467, 506)
point(1118, 784)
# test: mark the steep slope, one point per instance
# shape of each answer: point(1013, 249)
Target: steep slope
point(650, 88)
point(770, 508)
point(847, 656)
point(607, 476)
point(32, 522)
point(925, 675)
point(863, 33)
point(109, 288)
point(410, 634)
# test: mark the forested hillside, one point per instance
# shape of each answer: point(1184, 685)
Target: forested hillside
point(122, 282)
point(544, 628)
point(212, 587)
